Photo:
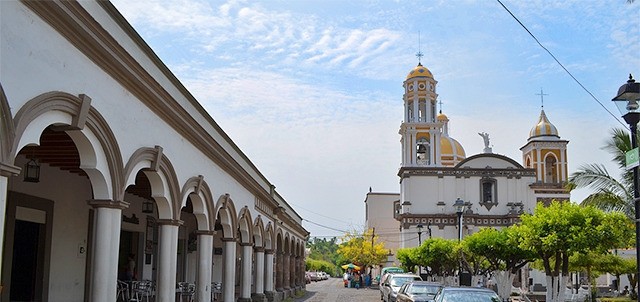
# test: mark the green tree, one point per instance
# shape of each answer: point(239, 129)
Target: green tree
point(501, 251)
point(408, 258)
point(440, 257)
point(558, 231)
point(321, 249)
point(363, 249)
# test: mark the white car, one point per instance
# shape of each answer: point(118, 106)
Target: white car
point(392, 283)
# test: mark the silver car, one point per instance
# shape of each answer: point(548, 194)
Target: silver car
point(390, 286)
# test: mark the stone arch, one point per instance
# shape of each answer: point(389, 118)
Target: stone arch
point(551, 170)
point(245, 225)
point(258, 232)
point(162, 178)
point(197, 189)
point(268, 237)
point(226, 211)
point(97, 146)
point(7, 132)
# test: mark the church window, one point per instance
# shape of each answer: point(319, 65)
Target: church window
point(551, 169)
point(411, 87)
point(488, 192)
point(422, 107)
point(421, 86)
point(410, 112)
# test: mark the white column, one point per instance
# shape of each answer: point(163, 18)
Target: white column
point(563, 165)
point(540, 173)
point(416, 113)
point(4, 184)
point(247, 258)
point(286, 270)
point(167, 260)
point(106, 244)
point(205, 261)
point(268, 280)
point(229, 274)
point(413, 146)
point(260, 275)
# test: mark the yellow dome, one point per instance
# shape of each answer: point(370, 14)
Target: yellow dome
point(543, 127)
point(442, 117)
point(451, 151)
point(420, 71)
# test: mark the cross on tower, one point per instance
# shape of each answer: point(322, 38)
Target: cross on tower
point(440, 102)
point(541, 94)
point(419, 54)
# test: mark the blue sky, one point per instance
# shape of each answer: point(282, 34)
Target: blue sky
point(312, 91)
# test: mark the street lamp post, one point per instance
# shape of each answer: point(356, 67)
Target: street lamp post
point(419, 227)
point(429, 229)
point(459, 205)
point(627, 102)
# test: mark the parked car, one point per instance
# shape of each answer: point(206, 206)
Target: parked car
point(418, 291)
point(314, 276)
point(392, 284)
point(466, 294)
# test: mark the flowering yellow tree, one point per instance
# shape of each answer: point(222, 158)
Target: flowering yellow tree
point(362, 248)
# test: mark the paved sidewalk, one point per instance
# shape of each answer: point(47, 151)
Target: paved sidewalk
point(333, 290)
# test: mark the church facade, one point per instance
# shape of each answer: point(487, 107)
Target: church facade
point(114, 179)
point(439, 181)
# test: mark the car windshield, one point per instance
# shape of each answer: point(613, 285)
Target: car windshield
point(423, 289)
point(398, 281)
point(469, 296)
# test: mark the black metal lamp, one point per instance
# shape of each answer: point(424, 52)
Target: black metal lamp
point(627, 102)
point(419, 227)
point(147, 206)
point(32, 171)
point(459, 205)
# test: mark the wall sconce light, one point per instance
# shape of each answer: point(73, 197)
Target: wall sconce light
point(147, 206)
point(32, 171)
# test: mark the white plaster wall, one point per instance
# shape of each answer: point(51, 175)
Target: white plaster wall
point(380, 216)
point(52, 64)
point(69, 230)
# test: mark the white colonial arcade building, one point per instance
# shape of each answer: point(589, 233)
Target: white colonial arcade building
point(104, 154)
point(436, 172)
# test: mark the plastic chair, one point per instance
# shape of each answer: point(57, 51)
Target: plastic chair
point(216, 291)
point(123, 291)
point(141, 290)
point(187, 290)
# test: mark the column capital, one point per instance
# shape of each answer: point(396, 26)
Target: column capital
point(9, 170)
point(205, 232)
point(269, 252)
point(224, 239)
point(173, 222)
point(259, 249)
point(246, 244)
point(108, 203)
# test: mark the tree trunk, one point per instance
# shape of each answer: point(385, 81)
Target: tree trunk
point(504, 281)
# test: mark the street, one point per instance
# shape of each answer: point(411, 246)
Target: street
point(333, 290)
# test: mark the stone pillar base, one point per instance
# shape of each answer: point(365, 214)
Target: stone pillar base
point(270, 296)
point(258, 297)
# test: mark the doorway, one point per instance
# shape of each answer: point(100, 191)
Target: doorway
point(28, 258)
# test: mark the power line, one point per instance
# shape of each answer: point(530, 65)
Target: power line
point(341, 221)
point(324, 226)
point(565, 69)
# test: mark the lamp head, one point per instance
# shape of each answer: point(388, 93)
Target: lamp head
point(459, 205)
point(628, 96)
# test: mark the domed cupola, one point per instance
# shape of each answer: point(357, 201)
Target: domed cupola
point(451, 151)
point(420, 71)
point(543, 129)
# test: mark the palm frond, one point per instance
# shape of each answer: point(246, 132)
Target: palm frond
point(609, 202)
point(596, 177)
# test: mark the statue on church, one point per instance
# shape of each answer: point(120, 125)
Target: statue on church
point(485, 137)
